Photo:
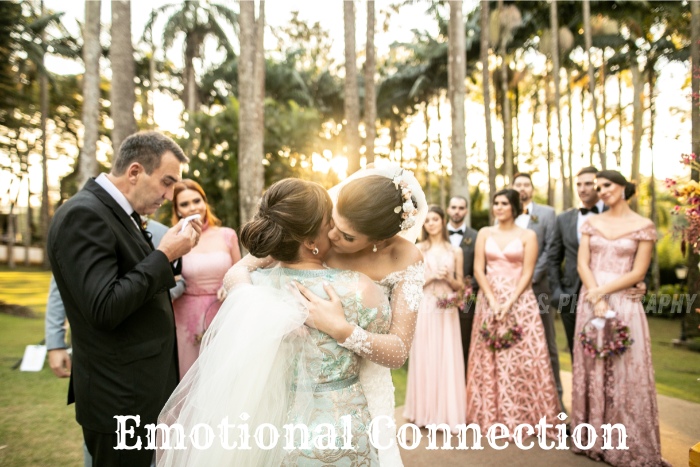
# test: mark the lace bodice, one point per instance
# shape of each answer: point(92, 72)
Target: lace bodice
point(615, 255)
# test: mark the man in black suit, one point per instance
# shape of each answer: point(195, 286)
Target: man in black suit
point(563, 254)
point(114, 286)
point(464, 237)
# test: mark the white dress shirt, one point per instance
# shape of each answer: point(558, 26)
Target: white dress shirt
point(118, 196)
point(523, 219)
point(582, 217)
point(456, 239)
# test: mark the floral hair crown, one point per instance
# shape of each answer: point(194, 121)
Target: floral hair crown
point(410, 212)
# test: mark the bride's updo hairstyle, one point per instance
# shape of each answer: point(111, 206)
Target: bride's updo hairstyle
point(618, 179)
point(370, 206)
point(291, 211)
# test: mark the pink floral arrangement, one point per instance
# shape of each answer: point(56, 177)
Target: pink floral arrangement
point(617, 343)
point(461, 300)
point(497, 341)
point(688, 194)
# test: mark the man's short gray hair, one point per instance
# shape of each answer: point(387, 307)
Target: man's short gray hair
point(146, 148)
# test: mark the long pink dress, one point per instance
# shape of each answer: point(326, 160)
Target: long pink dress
point(435, 391)
point(203, 269)
point(618, 389)
point(515, 385)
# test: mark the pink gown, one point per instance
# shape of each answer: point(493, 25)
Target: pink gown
point(515, 385)
point(203, 269)
point(435, 391)
point(619, 389)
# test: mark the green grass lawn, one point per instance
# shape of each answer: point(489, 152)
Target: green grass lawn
point(38, 429)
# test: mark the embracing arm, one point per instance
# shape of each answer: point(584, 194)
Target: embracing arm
point(240, 272)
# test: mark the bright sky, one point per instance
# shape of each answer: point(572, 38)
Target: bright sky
point(672, 132)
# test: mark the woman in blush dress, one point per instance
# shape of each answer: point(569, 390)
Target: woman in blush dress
point(615, 252)
point(203, 270)
point(510, 385)
point(436, 391)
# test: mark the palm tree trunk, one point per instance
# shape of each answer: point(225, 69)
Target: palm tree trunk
point(258, 137)
point(151, 87)
point(370, 92)
point(554, 20)
point(621, 115)
point(637, 118)
point(570, 103)
point(91, 92)
point(122, 61)
point(604, 113)
point(427, 184)
point(44, 214)
point(654, 214)
point(548, 107)
point(591, 78)
point(484, 52)
point(352, 94)
point(505, 110)
point(190, 78)
point(456, 72)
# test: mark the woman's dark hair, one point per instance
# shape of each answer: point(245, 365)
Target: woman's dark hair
point(437, 210)
point(291, 211)
point(369, 204)
point(618, 179)
point(513, 198)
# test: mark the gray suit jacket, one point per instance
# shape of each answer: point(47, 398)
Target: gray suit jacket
point(467, 245)
point(542, 220)
point(564, 249)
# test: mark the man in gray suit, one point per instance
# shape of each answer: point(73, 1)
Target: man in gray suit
point(541, 220)
point(464, 237)
point(563, 272)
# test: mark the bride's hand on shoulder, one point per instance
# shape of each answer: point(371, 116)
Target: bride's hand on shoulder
point(325, 315)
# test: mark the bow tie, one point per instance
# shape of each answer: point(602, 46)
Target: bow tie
point(585, 211)
point(526, 212)
point(455, 232)
point(145, 233)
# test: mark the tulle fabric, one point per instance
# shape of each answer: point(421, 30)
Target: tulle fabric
point(249, 363)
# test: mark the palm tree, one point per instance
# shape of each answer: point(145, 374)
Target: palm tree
point(91, 91)
point(457, 70)
point(370, 93)
point(352, 94)
point(121, 56)
point(491, 150)
point(197, 20)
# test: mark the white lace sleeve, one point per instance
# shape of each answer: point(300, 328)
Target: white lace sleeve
point(391, 350)
point(240, 272)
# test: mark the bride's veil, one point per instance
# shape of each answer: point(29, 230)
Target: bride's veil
point(391, 170)
point(251, 363)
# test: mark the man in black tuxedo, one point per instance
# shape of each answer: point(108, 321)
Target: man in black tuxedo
point(115, 288)
point(464, 237)
point(563, 254)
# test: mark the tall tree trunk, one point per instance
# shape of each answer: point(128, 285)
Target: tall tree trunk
point(456, 72)
point(352, 94)
point(122, 59)
point(570, 104)
point(637, 118)
point(250, 170)
point(604, 112)
point(689, 325)
point(27, 236)
point(258, 135)
point(591, 78)
point(44, 214)
point(370, 93)
point(190, 78)
point(654, 214)
point(91, 92)
point(427, 185)
point(151, 87)
point(505, 109)
point(548, 107)
point(554, 20)
point(442, 166)
point(484, 57)
point(618, 156)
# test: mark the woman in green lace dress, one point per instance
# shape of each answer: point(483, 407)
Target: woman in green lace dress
point(261, 367)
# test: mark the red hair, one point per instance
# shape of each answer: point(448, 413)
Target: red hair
point(189, 184)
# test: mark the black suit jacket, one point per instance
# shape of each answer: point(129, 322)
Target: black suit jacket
point(115, 290)
point(564, 249)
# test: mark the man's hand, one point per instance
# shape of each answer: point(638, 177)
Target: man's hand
point(637, 292)
point(60, 362)
point(176, 244)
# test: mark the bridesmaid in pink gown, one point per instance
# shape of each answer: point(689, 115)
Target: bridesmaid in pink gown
point(513, 385)
point(203, 269)
point(435, 391)
point(614, 254)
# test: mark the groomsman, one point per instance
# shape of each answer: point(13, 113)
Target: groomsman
point(464, 237)
point(541, 220)
point(563, 273)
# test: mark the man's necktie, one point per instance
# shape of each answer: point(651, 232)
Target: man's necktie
point(146, 234)
point(455, 232)
point(585, 211)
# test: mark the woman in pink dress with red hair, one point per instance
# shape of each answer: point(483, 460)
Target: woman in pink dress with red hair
point(203, 269)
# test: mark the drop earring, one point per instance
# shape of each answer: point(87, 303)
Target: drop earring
point(374, 248)
point(314, 251)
